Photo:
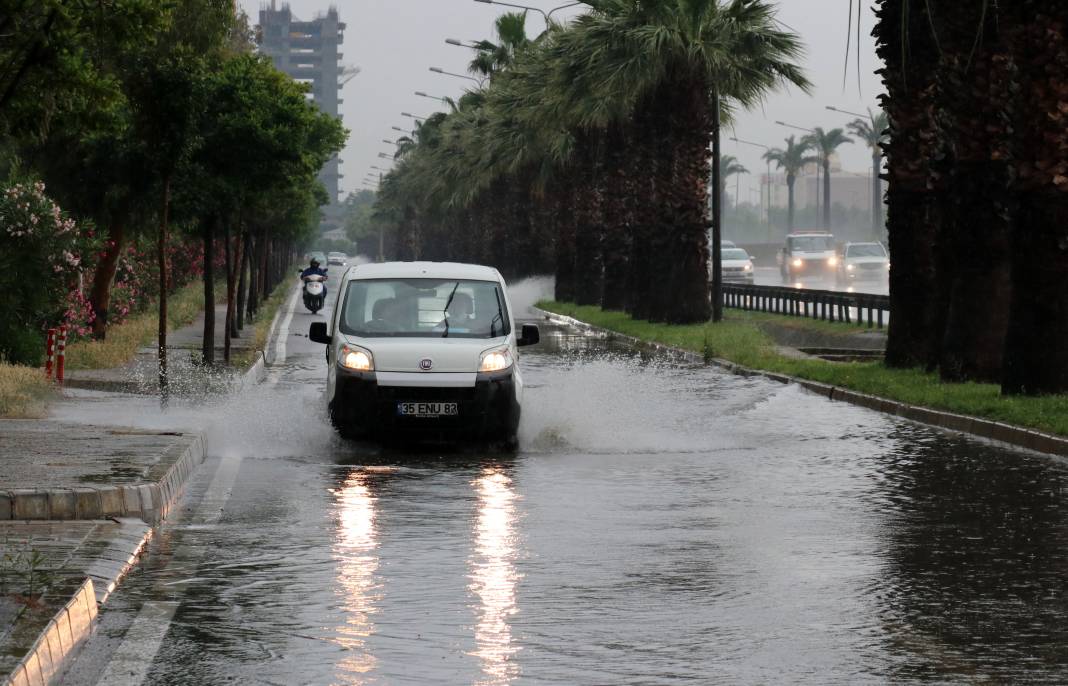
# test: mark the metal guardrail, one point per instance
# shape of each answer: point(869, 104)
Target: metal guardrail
point(833, 306)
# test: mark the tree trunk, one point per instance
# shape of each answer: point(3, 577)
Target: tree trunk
point(104, 276)
point(878, 229)
point(1036, 356)
point(566, 288)
point(826, 192)
point(790, 180)
point(207, 347)
point(231, 299)
point(620, 195)
point(589, 220)
point(717, 215)
point(161, 257)
point(916, 179)
point(242, 284)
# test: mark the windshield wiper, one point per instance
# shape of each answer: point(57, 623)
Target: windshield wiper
point(445, 312)
point(499, 315)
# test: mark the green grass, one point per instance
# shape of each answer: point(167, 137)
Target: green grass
point(739, 339)
point(24, 391)
point(124, 340)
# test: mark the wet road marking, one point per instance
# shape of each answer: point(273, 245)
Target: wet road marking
point(130, 664)
point(280, 346)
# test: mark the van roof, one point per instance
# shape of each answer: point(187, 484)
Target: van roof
point(429, 270)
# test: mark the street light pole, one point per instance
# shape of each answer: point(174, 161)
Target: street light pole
point(439, 70)
point(547, 15)
point(767, 177)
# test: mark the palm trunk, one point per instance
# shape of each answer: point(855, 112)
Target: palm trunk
point(790, 180)
point(589, 220)
point(685, 300)
point(566, 287)
point(620, 193)
point(877, 197)
point(826, 192)
point(1036, 357)
point(915, 177)
point(104, 276)
point(207, 347)
point(717, 214)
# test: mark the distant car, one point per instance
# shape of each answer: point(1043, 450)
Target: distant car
point(737, 266)
point(808, 253)
point(863, 261)
point(727, 244)
point(339, 259)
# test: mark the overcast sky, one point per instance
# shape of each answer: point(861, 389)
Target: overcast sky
point(395, 42)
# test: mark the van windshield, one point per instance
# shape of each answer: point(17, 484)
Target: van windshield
point(811, 243)
point(424, 308)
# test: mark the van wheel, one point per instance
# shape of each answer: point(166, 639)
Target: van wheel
point(344, 426)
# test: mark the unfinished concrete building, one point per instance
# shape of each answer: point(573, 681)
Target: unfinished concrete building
point(309, 51)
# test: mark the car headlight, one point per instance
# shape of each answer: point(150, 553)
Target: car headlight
point(832, 261)
point(850, 267)
point(495, 360)
point(798, 263)
point(357, 359)
point(748, 267)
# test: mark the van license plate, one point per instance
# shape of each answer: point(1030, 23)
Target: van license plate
point(428, 410)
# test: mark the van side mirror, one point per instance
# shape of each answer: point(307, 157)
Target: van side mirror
point(318, 333)
point(530, 335)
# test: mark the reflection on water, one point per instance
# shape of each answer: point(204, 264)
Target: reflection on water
point(494, 576)
point(357, 563)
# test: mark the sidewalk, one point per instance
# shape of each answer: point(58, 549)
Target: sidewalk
point(184, 345)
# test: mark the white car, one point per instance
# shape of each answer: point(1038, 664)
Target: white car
point(863, 261)
point(424, 350)
point(737, 266)
point(337, 259)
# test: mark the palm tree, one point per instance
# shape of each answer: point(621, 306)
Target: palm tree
point(792, 160)
point(874, 132)
point(491, 57)
point(826, 143)
point(729, 166)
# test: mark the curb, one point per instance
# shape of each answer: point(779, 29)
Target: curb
point(63, 635)
point(149, 502)
point(257, 372)
point(1010, 434)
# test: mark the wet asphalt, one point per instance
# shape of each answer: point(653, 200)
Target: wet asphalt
point(660, 524)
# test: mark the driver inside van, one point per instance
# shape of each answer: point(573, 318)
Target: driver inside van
point(459, 316)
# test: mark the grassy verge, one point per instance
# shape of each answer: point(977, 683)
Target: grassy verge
point(124, 340)
point(24, 391)
point(261, 324)
point(739, 339)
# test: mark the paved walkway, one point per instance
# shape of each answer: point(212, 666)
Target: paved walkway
point(186, 373)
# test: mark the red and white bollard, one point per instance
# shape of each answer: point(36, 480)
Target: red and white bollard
point(61, 353)
point(50, 353)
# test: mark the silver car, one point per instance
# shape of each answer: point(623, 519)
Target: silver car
point(863, 261)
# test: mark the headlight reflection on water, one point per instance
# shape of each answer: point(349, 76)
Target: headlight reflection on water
point(357, 564)
point(494, 576)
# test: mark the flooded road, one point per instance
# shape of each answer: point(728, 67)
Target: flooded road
point(660, 524)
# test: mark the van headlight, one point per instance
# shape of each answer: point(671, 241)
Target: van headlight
point(356, 359)
point(495, 360)
point(832, 261)
point(798, 262)
point(850, 267)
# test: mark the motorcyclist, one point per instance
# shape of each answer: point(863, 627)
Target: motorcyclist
point(314, 270)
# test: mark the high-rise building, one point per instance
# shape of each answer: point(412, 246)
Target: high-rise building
point(309, 51)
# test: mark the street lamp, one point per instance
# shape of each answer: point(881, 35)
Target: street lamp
point(384, 156)
point(439, 70)
point(388, 141)
point(412, 116)
point(855, 114)
point(547, 15)
point(404, 131)
point(379, 169)
point(767, 177)
point(433, 97)
point(460, 44)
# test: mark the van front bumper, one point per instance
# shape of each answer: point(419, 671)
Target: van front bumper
point(362, 407)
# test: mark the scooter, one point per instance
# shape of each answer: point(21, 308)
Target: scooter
point(314, 292)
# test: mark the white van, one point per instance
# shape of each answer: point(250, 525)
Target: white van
point(423, 350)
